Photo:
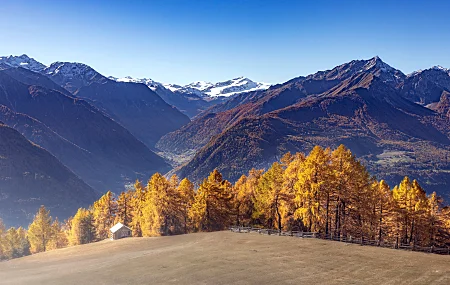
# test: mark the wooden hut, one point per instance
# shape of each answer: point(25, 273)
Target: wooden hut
point(120, 231)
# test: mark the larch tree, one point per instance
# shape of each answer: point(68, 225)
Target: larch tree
point(82, 229)
point(137, 206)
point(187, 195)
point(59, 238)
point(104, 213)
point(270, 199)
point(40, 231)
point(16, 243)
point(312, 188)
point(124, 211)
point(411, 203)
point(383, 209)
point(293, 164)
point(161, 212)
point(434, 220)
point(2, 239)
point(212, 207)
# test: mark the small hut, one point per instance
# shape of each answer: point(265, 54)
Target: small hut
point(120, 231)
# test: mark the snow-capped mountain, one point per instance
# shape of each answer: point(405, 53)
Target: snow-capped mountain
point(202, 88)
point(22, 61)
point(72, 75)
point(220, 89)
point(435, 68)
point(152, 84)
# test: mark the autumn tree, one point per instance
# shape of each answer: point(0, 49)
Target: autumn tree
point(16, 243)
point(383, 208)
point(2, 240)
point(40, 232)
point(270, 199)
point(137, 206)
point(411, 203)
point(82, 229)
point(212, 207)
point(104, 213)
point(292, 165)
point(187, 195)
point(59, 236)
point(162, 210)
point(124, 212)
point(312, 188)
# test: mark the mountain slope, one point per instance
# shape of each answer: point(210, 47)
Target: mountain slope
point(194, 98)
point(392, 135)
point(136, 107)
point(426, 86)
point(62, 122)
point(213, 121)
point(30, 177)
point(72, 75)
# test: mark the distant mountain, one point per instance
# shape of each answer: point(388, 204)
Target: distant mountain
point(98, 149)
point(21, 61)
point(31, 177)
point(359, 104)
point(73, 75)
point(136, 107)
point(189, 104)
point(220, 89)
point(426, 86)
point(213, 121)
point(196, 97)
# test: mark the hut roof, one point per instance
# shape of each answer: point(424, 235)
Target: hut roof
point(117, 227)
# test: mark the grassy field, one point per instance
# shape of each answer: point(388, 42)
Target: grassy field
point(226, 258)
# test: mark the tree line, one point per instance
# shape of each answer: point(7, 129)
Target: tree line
point(327, 191)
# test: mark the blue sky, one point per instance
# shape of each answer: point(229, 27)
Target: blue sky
point(178, 41)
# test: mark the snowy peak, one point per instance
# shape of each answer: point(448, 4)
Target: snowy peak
point(152, 84)
point(220, 89)
point(377, 63)
point(72, 75)
point(203, 88)
point(22, 61)
point(71, 70)
point(434, 68)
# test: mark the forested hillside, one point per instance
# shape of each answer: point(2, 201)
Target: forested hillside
point(327, 191)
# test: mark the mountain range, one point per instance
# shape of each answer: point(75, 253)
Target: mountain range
point(95, 133)
point(396, 124)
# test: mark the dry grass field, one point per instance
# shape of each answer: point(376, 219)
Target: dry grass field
point(226, 258)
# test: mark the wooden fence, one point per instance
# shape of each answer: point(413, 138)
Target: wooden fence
point(360, 241)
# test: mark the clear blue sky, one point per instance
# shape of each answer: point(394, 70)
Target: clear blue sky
point(183, 41)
